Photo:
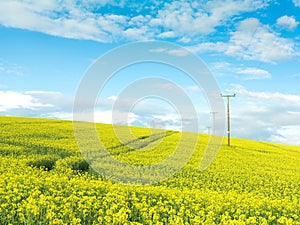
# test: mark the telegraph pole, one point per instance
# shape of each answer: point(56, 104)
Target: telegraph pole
point(228, 115)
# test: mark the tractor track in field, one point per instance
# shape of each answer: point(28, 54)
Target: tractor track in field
point(135, 144)
point(141, 142)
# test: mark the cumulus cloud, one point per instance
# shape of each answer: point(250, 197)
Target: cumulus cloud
point(86, 20)
point(10, 100)
point(239, 71)
point(297, 3)
point(112, 98)
point(194, 18)
point(265, 116)
point(287, 22)
point(167, 34)
point(267, 96)
point(64, 19)
point(288, 135)
point(254, 73)
point(147, 113)
point(268, 116)
point(252, 41)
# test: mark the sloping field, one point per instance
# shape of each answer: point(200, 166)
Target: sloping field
point(45, 180)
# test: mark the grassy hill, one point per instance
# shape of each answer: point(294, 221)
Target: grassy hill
point(45, 180)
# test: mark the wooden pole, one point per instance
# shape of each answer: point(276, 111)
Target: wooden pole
point(228, 115)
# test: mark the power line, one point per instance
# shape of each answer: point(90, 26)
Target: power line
point(228, 115)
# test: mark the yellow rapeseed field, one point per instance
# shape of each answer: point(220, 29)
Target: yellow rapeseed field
point(45, 180)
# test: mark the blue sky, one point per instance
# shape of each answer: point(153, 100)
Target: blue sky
point(251, 47)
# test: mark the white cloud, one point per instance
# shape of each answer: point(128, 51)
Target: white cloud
point(42, 93)
point(287, 135)
point(182, 20)
point(112, 98)
point(194, 88)
point(239, 71)
point(57, 105)
point(252, 41)
point(141, 33)
point(64, 19)
point(174, 118)
point(267, 116)
point(179, 17)
point(115, 117)
point(193, 18)
point(209, 46)
point(271, 116)
point(59, 101)
point(287, 22)
point(158, 50)
point(254, 73)
point(168, 122)
point(297, 3)
point(221, 65)
point(58, 115)
point(8, 68)
point(176, 52)
point(13, 100)
point(36, 104)
point(268, 96)
point(167, 34)
point(139, 20)
point(185, 40)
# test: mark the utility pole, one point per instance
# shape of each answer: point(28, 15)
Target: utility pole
point(228, 115)
point(214, 122)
